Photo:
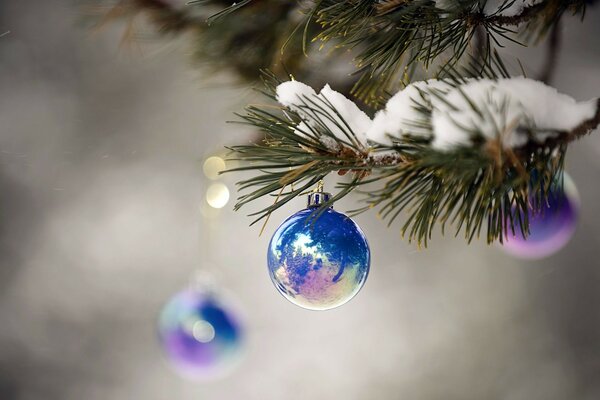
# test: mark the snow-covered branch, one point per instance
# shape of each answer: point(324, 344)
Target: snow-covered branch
point(500, 12)
point(462, 151)
point(448, 114)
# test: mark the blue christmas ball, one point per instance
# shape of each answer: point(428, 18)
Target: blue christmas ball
point(318, 263)
point(201, 334)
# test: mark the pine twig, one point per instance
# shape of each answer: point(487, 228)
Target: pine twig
point(472, 185)
point(527, 14)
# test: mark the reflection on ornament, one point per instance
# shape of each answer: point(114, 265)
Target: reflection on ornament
point(319, 263)
point(213, 166)
point(217, 195)
point(550, 228)
point(201, 335)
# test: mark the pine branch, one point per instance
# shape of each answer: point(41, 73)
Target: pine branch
point(548, 9)
point(388, 38)
point(243, 38)
point(583, 129)
point(469, 186)
point(166, 17)
point(529, 12)
point(392, 35)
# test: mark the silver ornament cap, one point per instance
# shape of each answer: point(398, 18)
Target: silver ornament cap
point(318, 197)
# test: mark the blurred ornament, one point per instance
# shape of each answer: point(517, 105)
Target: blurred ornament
point(201, 334)
point(318, 262)
point(551, 227)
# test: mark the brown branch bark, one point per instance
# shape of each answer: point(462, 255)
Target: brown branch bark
point(530, 12)
point(566, 137)
point(586, 126)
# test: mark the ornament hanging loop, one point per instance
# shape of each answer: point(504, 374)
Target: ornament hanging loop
point(320, 185)
point(318, 197)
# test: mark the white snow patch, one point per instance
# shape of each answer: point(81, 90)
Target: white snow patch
point(296, 96)
point(502, 109)
point(383, 155)
point(549, 109)
point(330, 143)
point(454, 120)
point(292, 94)
point(516, 8)
point(400, 116)
point(504, 105)
point(357, 120)
point(491, 7)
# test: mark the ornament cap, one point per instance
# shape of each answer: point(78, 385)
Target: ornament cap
point(316, 199)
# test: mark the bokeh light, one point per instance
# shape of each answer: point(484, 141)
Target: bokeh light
point(318, 264)
point(213, 166)
point(217, 195)
point(201, 334)
point(550, 228)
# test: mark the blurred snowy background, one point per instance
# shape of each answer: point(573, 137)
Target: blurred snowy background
point(101, 182)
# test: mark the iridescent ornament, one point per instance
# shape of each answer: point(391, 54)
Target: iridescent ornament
point(318, 262)
point(201, 334)
point(551, 227)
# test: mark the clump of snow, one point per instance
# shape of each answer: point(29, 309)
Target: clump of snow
point(290, 92)
point(549, 109)
point(400, 116)
point(507, 8)
point(346, 119)
point(357, 120)
point(508, 110)
point(496, 108)
point(502, 7)
point(496, 115)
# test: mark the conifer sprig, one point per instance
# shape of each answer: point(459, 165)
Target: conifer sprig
point(482, 190)
point(389, 39)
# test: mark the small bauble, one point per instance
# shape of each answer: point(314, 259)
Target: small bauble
point(551, 227)
point(318, 262)
point(201, 334)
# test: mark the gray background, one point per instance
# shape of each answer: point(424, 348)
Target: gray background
point(100, 191)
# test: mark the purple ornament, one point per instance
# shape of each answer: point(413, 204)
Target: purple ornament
point(550, 228)
point(201, 334)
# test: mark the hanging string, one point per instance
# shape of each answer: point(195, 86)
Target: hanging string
point(205, 273)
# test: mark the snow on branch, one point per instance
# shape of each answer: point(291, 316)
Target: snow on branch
point(459, 152)
point(507, 8)
point(344, 119)
point(448, 114)
point(503, 8)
